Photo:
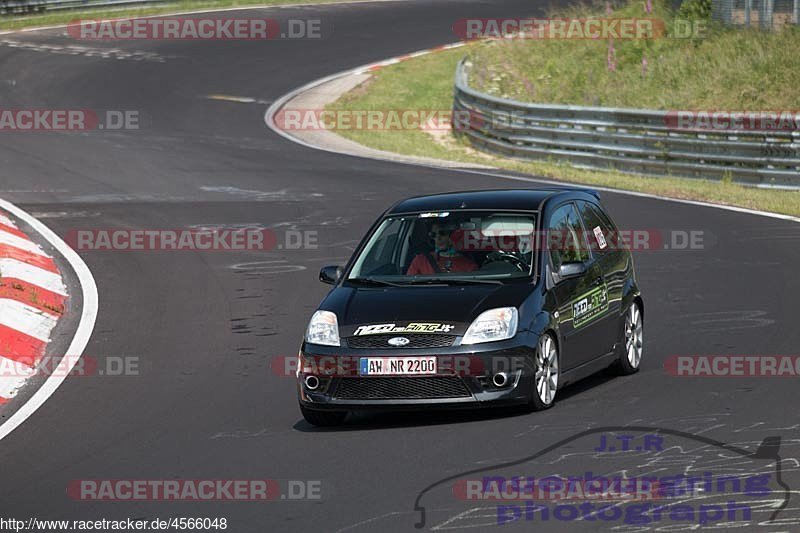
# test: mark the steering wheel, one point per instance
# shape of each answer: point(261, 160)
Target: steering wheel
point(507, 257)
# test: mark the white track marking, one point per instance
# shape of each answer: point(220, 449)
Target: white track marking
point(6, 221)
point(640, 194)
point(26, 319)
point(13, 268)
point(74, 50)
point(19, 242)
point(82, 333)
point(269, 118)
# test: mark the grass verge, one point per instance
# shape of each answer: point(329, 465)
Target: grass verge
point(18, 22)
point(426, 83)
point(712, 68)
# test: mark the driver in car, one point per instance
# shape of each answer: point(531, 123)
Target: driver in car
point(444, 258)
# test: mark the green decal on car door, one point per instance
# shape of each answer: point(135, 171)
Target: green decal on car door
point(589, 306)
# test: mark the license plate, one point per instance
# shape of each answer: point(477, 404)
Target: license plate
point(397, 366)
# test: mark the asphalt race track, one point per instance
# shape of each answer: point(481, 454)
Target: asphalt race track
point(205, 327)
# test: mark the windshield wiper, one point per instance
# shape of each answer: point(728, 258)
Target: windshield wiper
point(460, 280)
point(426, 281)
point(373, 281)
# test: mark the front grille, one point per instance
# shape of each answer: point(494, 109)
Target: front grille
point(401, 388)
point(381, 342)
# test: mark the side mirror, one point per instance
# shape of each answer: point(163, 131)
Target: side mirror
point(570, 270)
point(330, 274)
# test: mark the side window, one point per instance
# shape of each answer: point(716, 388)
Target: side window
point(565, 238)
point(599, 231)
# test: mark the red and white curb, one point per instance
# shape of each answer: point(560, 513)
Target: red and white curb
point(370, 68)
point(33, 297)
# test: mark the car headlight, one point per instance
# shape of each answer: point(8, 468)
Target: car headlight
point(323, 328)
point(492, 325)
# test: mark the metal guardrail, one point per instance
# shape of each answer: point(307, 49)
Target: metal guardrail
point(29, 7)
point(631, 140)
point(764, 14)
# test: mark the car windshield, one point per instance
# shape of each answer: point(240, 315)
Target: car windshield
point(442, 247)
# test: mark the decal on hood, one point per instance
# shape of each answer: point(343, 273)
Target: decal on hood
point(413, 327)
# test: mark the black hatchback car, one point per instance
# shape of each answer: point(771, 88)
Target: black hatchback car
point(472, 299)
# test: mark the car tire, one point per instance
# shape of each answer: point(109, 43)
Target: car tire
point(630, 356)
point(545, 381)
point(323, 418)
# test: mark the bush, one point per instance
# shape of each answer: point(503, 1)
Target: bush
point(695, 10)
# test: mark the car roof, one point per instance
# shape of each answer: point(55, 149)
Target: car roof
point(511, 199)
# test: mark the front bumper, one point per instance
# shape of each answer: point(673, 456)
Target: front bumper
point(463, 378)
